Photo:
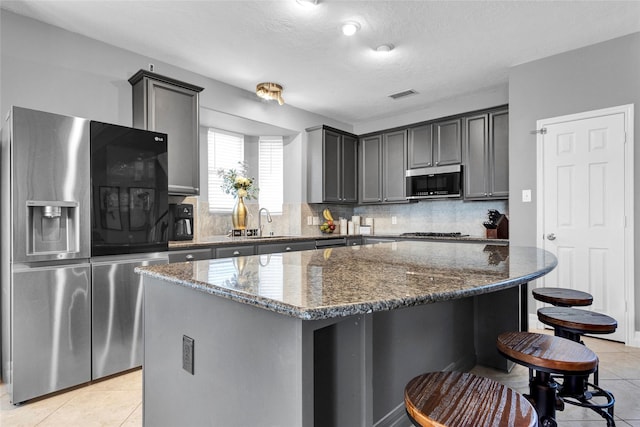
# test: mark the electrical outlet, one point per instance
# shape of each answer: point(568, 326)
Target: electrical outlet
point(526, 196)
point(394, 220)
point(187, 354)
point(316, 220)
point(309, 220)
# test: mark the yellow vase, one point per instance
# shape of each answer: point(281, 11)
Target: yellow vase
point(239, 214)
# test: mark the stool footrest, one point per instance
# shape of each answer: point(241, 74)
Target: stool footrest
point(585, 400)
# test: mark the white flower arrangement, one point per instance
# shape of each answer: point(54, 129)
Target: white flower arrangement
point(236, 182)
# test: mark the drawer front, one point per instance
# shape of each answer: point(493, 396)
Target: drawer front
point(271, 248)
point(234, 251)
point(190, 255)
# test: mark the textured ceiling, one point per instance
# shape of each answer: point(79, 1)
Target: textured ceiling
point(442, 48)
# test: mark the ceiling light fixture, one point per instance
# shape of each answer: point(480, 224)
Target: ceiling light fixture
point(307, 2)
point(270, 91)
point(350, 28)
point(385, 48)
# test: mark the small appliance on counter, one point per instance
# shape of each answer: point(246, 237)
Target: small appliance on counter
point(497, 226)
point(181, 221)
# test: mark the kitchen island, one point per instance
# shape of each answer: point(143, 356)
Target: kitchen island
point(324, 337)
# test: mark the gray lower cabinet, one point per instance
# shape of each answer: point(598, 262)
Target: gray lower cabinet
point(486, 171)
point(270, 248)
point(116, 314)
point(373, 240)
point(190, 255)
point(354, 241)
point(383, 162)
point(234, 251)
point(170, 106)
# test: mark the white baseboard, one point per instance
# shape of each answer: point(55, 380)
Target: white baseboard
point(635, 339)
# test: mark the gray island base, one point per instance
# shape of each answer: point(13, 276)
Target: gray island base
point(324, 337)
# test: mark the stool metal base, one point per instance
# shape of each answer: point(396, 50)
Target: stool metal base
point(548, 396)
point(577, 391)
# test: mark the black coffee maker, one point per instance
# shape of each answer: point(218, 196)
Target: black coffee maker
point(181, 221)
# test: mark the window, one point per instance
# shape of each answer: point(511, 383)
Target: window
point(225, 151)
point(270, 173)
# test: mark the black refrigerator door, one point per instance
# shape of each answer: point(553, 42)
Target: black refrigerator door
point(129, 190)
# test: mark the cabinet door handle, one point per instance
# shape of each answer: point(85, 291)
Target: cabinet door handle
point(236, 252)
point(551, 236)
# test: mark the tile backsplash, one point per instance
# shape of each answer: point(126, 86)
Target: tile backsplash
point(424, 216)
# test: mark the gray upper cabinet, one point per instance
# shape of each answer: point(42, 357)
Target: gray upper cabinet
point(447, 142)
point(170, 106)
point(370, 168)
point(332, 166)
point(435, 144)
point(486, 173)
point(383, 162)
point(420, 147)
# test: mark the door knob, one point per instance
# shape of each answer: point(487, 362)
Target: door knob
point(551, 236)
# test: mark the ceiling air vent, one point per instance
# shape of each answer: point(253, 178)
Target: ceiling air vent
point(403, 94)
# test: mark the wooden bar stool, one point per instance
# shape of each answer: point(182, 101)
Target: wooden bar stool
point(573, 323)
point(562, 297)
point(546, 355)
point(462, 399)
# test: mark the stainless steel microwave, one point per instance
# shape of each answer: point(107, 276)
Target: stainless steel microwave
point(434, 182)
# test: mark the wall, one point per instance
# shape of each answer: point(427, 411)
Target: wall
point(483, 98)
point(47, 68)
point(594, 77)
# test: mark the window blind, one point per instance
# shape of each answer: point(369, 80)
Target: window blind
point(226, 149)
point(271, 173)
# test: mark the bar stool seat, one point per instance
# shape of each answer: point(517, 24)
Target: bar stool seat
point(463, 399)
point(548, 355)
point(569, 322)
point(562, 297)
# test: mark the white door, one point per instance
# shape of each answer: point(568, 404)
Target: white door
point(582, 196)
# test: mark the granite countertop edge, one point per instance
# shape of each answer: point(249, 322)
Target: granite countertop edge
point(345, 310)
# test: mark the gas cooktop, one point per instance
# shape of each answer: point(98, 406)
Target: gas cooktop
point(433, 234)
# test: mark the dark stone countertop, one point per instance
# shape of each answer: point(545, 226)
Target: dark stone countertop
point(344, 281)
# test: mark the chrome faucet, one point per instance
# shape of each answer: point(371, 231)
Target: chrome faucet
point(260, 219)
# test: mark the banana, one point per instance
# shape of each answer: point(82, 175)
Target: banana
point(327, 253)
point(327, 214)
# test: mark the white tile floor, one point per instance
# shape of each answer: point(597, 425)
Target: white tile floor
point(113, 402)
point(118, 401)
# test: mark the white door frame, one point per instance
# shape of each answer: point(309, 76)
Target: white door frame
point(633, 336)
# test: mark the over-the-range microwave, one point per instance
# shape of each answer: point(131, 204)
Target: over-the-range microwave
point(434, 182)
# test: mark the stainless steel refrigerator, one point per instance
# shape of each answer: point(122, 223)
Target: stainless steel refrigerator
point(45, 269)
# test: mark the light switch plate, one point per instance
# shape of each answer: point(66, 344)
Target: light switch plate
point(526, 196)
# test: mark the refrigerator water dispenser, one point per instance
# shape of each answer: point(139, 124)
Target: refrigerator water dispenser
point(52, 227)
